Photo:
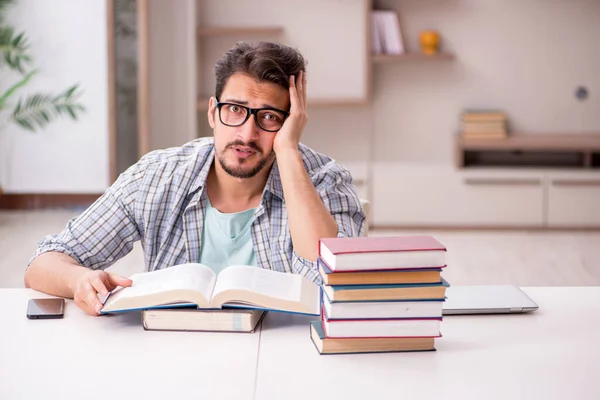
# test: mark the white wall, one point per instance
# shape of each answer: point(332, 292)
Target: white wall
point(68, 42)
point(523, 56)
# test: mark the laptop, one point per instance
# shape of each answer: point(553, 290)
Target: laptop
point(488, 299)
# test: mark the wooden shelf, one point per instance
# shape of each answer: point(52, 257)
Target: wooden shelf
point(239, 31)
point(531, 150)
point(534, 142)
point(385, 58)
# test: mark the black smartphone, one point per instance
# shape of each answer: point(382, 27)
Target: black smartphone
point(46, 308)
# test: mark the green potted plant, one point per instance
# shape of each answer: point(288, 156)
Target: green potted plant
point(35, 110)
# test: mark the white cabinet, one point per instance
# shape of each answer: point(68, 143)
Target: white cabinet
point(573, 199)
point(330, 34)
point(443, 196)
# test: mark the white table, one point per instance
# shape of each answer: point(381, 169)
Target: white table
point(553, 353)
point(112, 357)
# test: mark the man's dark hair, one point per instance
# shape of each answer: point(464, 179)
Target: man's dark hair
point(265, 61)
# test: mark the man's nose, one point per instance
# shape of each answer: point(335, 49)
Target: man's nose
point(249, 131)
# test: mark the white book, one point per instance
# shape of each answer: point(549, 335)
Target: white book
point(381, 309)
point(191, 319)
point(383, 328)
point(388, 28)
point(240, 286)
point(394, 32)
point(376, 39)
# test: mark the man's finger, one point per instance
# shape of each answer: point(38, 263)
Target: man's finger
point(91, 298)
point(99, 286)
point(293, 93)
point(118, 280)
point(83, 306)
point(304, 87)
point(301, 89)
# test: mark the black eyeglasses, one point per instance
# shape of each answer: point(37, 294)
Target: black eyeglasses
point(268, 119)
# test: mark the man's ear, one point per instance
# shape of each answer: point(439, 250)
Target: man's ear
point(212, 105)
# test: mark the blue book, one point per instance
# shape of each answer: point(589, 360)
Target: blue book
point(358, 345)
point(196, 285)
point(432, 291)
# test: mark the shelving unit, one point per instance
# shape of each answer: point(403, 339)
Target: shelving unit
point(530, 150)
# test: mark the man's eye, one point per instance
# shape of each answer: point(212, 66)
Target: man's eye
point(235, 109)
point(272, 117)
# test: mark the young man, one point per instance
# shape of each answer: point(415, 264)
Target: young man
point(251, 195)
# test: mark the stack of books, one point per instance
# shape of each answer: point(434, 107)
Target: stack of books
point(380, 294)
point(484, 125)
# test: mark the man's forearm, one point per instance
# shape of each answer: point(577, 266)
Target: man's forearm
point(308, 217)
point(54, 273)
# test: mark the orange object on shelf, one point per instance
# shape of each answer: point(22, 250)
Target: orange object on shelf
point(430, 42)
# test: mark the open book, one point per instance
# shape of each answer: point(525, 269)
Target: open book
point(235, 286)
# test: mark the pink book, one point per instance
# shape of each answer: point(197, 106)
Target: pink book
point(382, 252)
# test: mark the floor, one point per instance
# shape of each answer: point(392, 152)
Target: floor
point(523, 258)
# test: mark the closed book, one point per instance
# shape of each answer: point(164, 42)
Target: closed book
point(425, 291)
point(192, 319)
point(493, 125)
point(382, 309)
point(485, 135)
point(382, 253)
point(424, 275)
point(417, 327)
point(328, 345)
point(483, 116)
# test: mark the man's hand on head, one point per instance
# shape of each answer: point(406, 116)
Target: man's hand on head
point(289, 135)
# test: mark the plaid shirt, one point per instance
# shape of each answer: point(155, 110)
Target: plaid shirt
point(161, 201)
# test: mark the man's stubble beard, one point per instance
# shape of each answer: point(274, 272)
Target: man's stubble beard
point(243, 173)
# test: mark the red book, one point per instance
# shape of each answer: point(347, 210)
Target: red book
point(382, 252)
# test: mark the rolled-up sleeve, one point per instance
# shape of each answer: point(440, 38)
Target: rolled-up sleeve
point(103, 233)
point(341, 198)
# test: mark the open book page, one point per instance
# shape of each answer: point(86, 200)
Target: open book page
point(265, 288)
point(180, 283)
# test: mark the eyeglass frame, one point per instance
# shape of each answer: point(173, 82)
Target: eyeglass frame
point(250, 111)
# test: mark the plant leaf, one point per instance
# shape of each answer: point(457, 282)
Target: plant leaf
point(38, 110)
point(15, 87)
point(14, 49)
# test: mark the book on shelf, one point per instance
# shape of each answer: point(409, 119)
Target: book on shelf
point(193, 319)
point(382, 253)
point(485, 135)
point(237, 286)
point(484, 129)
point(329, 345)
point(408, 291)
point(413, 327)
point(423, 275)
point(392, 309)
point(386, 35)
point(483, 116)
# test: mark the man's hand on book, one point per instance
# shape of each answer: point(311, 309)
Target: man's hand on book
point(92, 283)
